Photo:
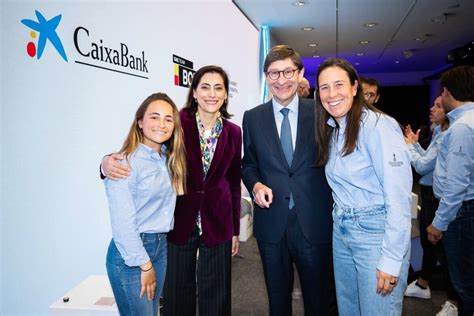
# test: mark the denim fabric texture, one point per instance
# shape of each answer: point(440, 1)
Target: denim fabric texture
point(126, 281)
point(458, 243)
point(357, 246)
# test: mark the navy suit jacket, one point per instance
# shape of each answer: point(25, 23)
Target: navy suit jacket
point(217, 196)
point(264, 161)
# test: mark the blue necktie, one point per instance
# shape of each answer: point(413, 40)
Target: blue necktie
point(286, 144)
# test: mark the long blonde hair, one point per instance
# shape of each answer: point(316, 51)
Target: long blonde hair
point(175, 154)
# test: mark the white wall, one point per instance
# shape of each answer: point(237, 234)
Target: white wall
point(2, 123)
point(59, 118)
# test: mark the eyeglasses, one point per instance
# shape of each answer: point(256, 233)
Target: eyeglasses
point(287, 73)
point(369, 95)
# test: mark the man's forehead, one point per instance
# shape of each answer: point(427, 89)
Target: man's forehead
point(369, 86)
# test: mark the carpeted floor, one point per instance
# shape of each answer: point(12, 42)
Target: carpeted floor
point(249, 294)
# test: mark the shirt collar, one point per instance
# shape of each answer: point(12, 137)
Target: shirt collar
point(151, 152)
point(292, 106)
point(333, 123)
point(453, 115)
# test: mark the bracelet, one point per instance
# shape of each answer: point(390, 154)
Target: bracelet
point(151, 267)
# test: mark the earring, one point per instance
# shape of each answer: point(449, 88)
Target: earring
point(196, 100)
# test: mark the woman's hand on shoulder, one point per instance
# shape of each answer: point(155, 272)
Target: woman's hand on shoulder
point(113, 169)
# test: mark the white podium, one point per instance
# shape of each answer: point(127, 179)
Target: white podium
point(93, 297)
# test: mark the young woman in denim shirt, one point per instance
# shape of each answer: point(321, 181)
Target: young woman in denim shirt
point(368, 168)
point(142, 205)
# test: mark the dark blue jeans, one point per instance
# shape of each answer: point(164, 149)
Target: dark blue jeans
point(458, 243)
point(126, 281)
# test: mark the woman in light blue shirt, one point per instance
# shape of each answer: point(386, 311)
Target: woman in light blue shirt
point(368, 168)
point(142, 205)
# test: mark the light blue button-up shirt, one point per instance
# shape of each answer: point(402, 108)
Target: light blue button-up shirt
point(424, 161)
point(453, 180)
point(142, 203)
point(376, 173)
point(292, 117)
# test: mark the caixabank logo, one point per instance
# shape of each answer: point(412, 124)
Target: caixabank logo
point(91, 51)
point(46, 30)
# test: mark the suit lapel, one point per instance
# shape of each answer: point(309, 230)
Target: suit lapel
point(193, 147)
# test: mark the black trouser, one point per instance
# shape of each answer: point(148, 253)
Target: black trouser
point(213, 279)
point(432, 253)
point(314, 266)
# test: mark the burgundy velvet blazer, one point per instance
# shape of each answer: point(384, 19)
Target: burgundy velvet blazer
point(218, 196)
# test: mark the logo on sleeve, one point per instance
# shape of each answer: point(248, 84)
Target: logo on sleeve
point(394, 162)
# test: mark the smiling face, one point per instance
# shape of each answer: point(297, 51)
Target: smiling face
point(282, 88)
point(157, 124)
point(210, 93)
point(437, 113)
point(336, 92)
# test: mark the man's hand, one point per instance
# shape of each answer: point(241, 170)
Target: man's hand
point(262, 195)
point(113, 169)
point(235, 245)
point(434, 234)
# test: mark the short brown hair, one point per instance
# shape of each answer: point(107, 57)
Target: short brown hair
point(459, 81)
point(281, 52)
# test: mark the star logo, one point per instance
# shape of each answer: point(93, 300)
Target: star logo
point(47, 32)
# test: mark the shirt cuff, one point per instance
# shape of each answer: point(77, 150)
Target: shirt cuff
point(138, 260)
point(389, 266)
point(439, 224)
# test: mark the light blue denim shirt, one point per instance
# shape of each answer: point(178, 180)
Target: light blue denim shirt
point(142, 203)
point(292, 117)
point(424, 161)
point(453, 180)
point(376, 173)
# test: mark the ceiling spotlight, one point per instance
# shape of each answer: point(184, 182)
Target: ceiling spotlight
point(307, 28)
point(313, 44)
point(315, 56)
point(370, 24)
point(396, 61)
point(441, 19)
point(357, 64)
point(298, 3)
point(407, 53)
point(360, 54)
point(417, 39)
point(364, 42)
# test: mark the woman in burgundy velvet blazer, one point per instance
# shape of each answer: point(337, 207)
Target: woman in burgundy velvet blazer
point(207, 217)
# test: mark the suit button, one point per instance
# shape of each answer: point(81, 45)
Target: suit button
point(290, 174)
point(287, 198)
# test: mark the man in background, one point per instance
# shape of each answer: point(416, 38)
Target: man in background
point(370, 90)
point(453, 184)
point(303, 88)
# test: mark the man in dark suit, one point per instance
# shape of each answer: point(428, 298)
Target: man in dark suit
point(293, 224)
